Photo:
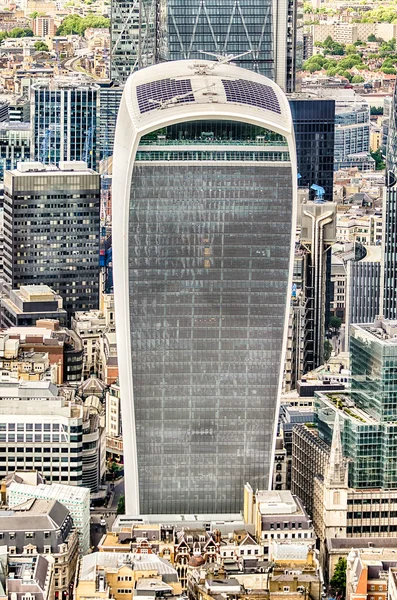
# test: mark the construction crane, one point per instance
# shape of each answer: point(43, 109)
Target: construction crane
point(319, 191)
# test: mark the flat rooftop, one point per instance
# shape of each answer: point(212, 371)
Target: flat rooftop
point(382, 330)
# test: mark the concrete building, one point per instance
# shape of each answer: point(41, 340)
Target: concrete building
point(44, 27)
point(310, 456)
point(39, 430)
point(364, 288)
point(392, 584)
point(66, 257)
point(349, 33)
point(107, 358)
point(90, 327)
point(352, 136)
point(43, 527)
point(75, 499)
point(112, 574)
point(277, 516)
point(31, 576)
point(367, 574)
point(63, 346)
point(317, 226)
point(256, 106)
point(24, 306)
point(114, 431)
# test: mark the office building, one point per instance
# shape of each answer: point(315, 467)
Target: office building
point(114, 574)
point(109, 102)
point(40, 430)
point(23, 307)
point(368, 414)
point(63, 347)
point(273, 32)
point(33, 572)
point(277, 515)
point(314, 126)
point(44, 26)
point(75, 499)
point(15, 140)
point(266, 37)
point(317, 226)
point(64, 121)
point(352, 135)
point(114, 431)
point(51, 231)
point(43, 527)
point(133, 35)
point(208, 295)
point(363, 286)
point(389, 215)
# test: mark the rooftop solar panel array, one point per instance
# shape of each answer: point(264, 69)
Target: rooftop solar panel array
point(252, 93)
point(150, 95)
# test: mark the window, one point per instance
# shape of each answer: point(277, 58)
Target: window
point(29, 534)
point(286, 588)
point(12, 535)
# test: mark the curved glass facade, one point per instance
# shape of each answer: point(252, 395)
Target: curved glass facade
point(209, 251)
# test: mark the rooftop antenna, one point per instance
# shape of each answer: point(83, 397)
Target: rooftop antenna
point(225, 58)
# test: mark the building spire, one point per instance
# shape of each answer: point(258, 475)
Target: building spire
point(337, 468)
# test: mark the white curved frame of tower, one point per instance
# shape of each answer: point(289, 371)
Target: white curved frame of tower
point(206, 80)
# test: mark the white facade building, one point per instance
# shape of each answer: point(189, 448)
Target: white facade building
point(76, 499)
point(208, 223)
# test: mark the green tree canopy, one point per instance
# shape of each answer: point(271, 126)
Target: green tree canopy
point(380, 163)
point(18, 32)
point(338, 581)
point(121, 506)
point(327, 350)
point(335, 322)
point(358, 79)
point(74, 24)
point(40, 47)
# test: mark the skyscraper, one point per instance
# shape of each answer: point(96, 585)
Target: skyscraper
point(134, 28)
point(203, 254)
point(390, 219)
point(51, 230)
point(64, 121)
point(269, 33)
point(314, 126)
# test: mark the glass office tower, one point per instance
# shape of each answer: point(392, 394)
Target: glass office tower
point(204, 183)
point(265, 36)
point(368, 416)
point(64, 121)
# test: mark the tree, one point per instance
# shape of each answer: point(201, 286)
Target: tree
point(338, 581)
point(358, 79)
point(74, 24)
point(121, 506)
point(377, 156)
point(40, 47)
point(376, 110)
point(327, 350)
point(335, 323)
point(371, 38)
